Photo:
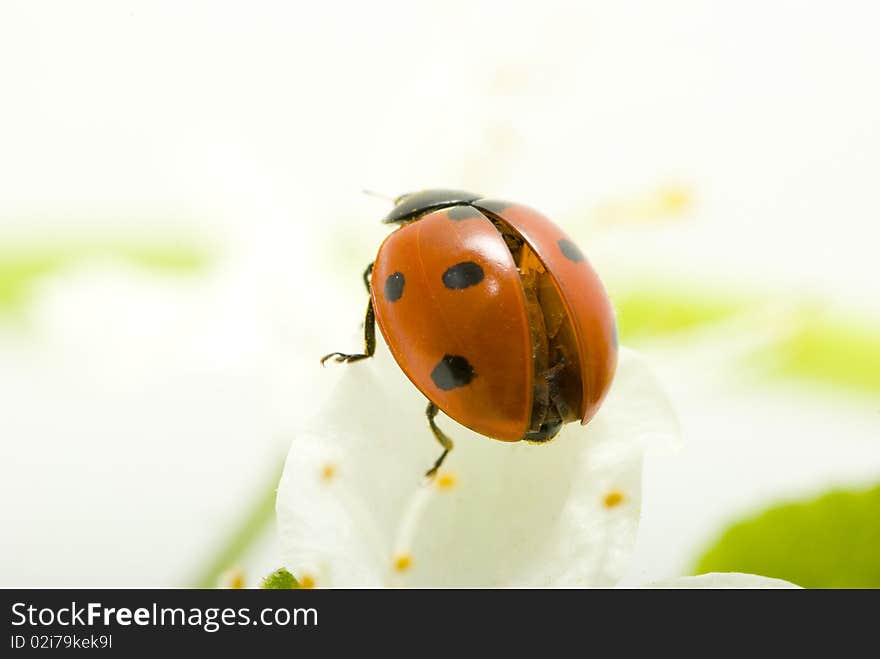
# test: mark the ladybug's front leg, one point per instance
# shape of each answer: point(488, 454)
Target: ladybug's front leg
point(441, 437)
point(367, 274)
point(369, 341)
point(369, 330)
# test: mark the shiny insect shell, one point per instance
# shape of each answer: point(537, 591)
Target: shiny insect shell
point(493, 313)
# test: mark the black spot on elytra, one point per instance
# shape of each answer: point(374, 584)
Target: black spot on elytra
point(462, 275)
point(496, 206)
point(394, 286)
point(451, 372)
point(460, 213)
point(572, 252)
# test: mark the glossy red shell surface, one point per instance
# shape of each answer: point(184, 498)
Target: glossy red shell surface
point(427, 315)
point(582, 293)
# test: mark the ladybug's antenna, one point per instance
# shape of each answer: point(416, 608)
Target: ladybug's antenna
point(373, 193)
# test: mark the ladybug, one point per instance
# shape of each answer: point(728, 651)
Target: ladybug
point(493, 313)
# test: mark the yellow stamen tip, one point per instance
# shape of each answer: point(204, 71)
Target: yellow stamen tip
point(446, 481)
point(328, 471)
point(306, 581)
point(234, 579)
point(676, 199)
point(403, 562)
point(613, 499)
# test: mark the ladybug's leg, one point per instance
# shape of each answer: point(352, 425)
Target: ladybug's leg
point(369, 330)
point(551, 422)
point(369, 341)
point(367, 274)
point(441, 437)
point(555, 388)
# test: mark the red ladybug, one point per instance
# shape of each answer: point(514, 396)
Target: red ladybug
point(493, 313)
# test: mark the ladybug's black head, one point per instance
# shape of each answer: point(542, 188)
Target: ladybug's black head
point(409, 206)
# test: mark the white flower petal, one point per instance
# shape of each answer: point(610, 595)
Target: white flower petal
point(564, 513)
point(723, 580)
point(371, 430)
point(323, 534)
point(637, 416)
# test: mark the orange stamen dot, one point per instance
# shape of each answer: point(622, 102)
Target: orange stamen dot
point(446, 481)
point(613, 499)
point(403, 562)
point(234, 579)
point(306, 581)
point(328, 471)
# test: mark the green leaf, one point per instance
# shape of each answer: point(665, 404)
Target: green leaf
point(21, 267)
point(18, 272)
point(650, 312)
point(280, 579)
point(830, 542)
point(242, 533)
point(839, 352)
point(830, 350)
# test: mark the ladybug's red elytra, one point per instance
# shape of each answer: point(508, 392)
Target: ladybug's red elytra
point(493, 313)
